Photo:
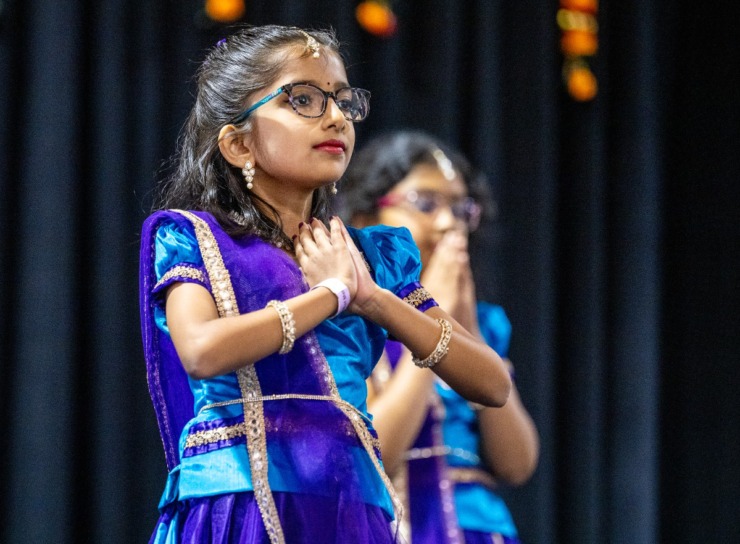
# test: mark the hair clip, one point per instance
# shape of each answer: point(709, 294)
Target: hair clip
point(221, 42)
point(311, 44)
point(444, 164)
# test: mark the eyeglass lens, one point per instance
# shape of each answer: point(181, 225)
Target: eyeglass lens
point(465, 209)
point(311, 101)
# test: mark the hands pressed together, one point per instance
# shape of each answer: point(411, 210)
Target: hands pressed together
point(324, 253)
point(449, 278)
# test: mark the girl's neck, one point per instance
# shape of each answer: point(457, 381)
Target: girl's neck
point(293, 208)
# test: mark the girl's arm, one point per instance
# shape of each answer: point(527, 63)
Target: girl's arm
point(510, 444)
point(209, 346)
point(470, 367)
point(399, 408)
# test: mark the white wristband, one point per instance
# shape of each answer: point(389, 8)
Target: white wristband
point(339, 289)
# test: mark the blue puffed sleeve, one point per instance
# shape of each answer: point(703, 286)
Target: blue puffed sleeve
point(393, 257)
point(495, 327)
point(177, 258)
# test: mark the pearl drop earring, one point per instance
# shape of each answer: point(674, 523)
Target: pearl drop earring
point(248, 173)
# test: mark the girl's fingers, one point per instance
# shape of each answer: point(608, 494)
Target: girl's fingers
point(306, 238)
point(320, 233)
point(336, 235)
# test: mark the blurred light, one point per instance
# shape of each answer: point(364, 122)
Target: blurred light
point(590, 6)
point(225, 11)
point(377, 18)
point(578, 43)
point(581, 82)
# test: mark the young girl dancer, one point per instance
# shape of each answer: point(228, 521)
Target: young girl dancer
point(447, 456)
point(262, 316)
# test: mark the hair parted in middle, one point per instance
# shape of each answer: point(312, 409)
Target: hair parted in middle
point(247, 61)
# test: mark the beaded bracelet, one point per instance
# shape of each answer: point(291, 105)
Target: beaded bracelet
point(286, 322)
point(442, 347)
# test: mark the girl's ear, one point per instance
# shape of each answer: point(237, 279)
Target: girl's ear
point(234, 147)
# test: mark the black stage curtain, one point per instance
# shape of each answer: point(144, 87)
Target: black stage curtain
point(615, 250)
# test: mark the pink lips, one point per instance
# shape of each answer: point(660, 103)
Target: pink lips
point(331, 146)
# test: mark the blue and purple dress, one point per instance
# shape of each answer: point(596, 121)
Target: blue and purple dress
point(282, 450)
point(449, 495)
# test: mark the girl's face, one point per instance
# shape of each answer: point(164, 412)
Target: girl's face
point(292, 151)
point(422, 202)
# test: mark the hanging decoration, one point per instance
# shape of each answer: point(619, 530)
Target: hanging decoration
point(377, 17)
point(225, 11)
point(579, 42)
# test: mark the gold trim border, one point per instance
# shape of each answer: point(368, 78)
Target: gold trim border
point(254, 419)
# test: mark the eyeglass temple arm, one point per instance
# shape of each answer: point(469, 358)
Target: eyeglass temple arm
point(242, 116)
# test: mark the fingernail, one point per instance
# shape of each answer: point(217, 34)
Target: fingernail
point(294, 237)
point(300, 225)
point(313, 219)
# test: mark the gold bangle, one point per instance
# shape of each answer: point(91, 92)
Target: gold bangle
point(286, 322)
point(440, 351)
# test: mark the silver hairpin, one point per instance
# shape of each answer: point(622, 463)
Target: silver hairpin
point(444, 164)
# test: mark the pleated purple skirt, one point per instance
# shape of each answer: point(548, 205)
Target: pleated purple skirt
point(306, 519)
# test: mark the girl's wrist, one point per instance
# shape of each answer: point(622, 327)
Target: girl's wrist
point(340, 290)
point(372, 307)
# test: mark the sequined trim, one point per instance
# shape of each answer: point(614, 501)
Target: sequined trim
point(223, 294)
point(468, 475)
point(441, 451)
point(221, 288)
point(418, 297)
point(219, 434)
point(180, 271)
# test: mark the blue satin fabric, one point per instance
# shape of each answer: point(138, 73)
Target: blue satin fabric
point(350, 344)
point(478, 508)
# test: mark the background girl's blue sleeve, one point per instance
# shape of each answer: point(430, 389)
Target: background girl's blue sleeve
point(495, 327)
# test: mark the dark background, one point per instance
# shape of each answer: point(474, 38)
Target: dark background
point(615, 252)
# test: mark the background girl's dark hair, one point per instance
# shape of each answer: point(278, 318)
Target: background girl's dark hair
point(247, 61)
point(388, 159)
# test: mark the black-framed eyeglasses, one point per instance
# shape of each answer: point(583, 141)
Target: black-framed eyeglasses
point(464, 209)
point(310, 101)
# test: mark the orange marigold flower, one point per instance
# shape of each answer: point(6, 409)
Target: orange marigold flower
point(376, 17)
point(582, 85)
point(591, 6)
point(225, 11)
point(578, 43)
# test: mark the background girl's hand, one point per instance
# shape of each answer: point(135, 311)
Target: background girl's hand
point(323, 253)
point(449, 279)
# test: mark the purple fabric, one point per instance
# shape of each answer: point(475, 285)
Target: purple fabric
point(168, 383)
point(308, 438)
point(430, 492)
point(311, 445)
point(410, 288)
point(235, 519)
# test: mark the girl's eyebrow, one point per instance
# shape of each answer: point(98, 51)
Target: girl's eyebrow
point(315, 83)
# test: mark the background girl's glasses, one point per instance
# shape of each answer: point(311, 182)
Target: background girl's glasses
point(430, 203)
